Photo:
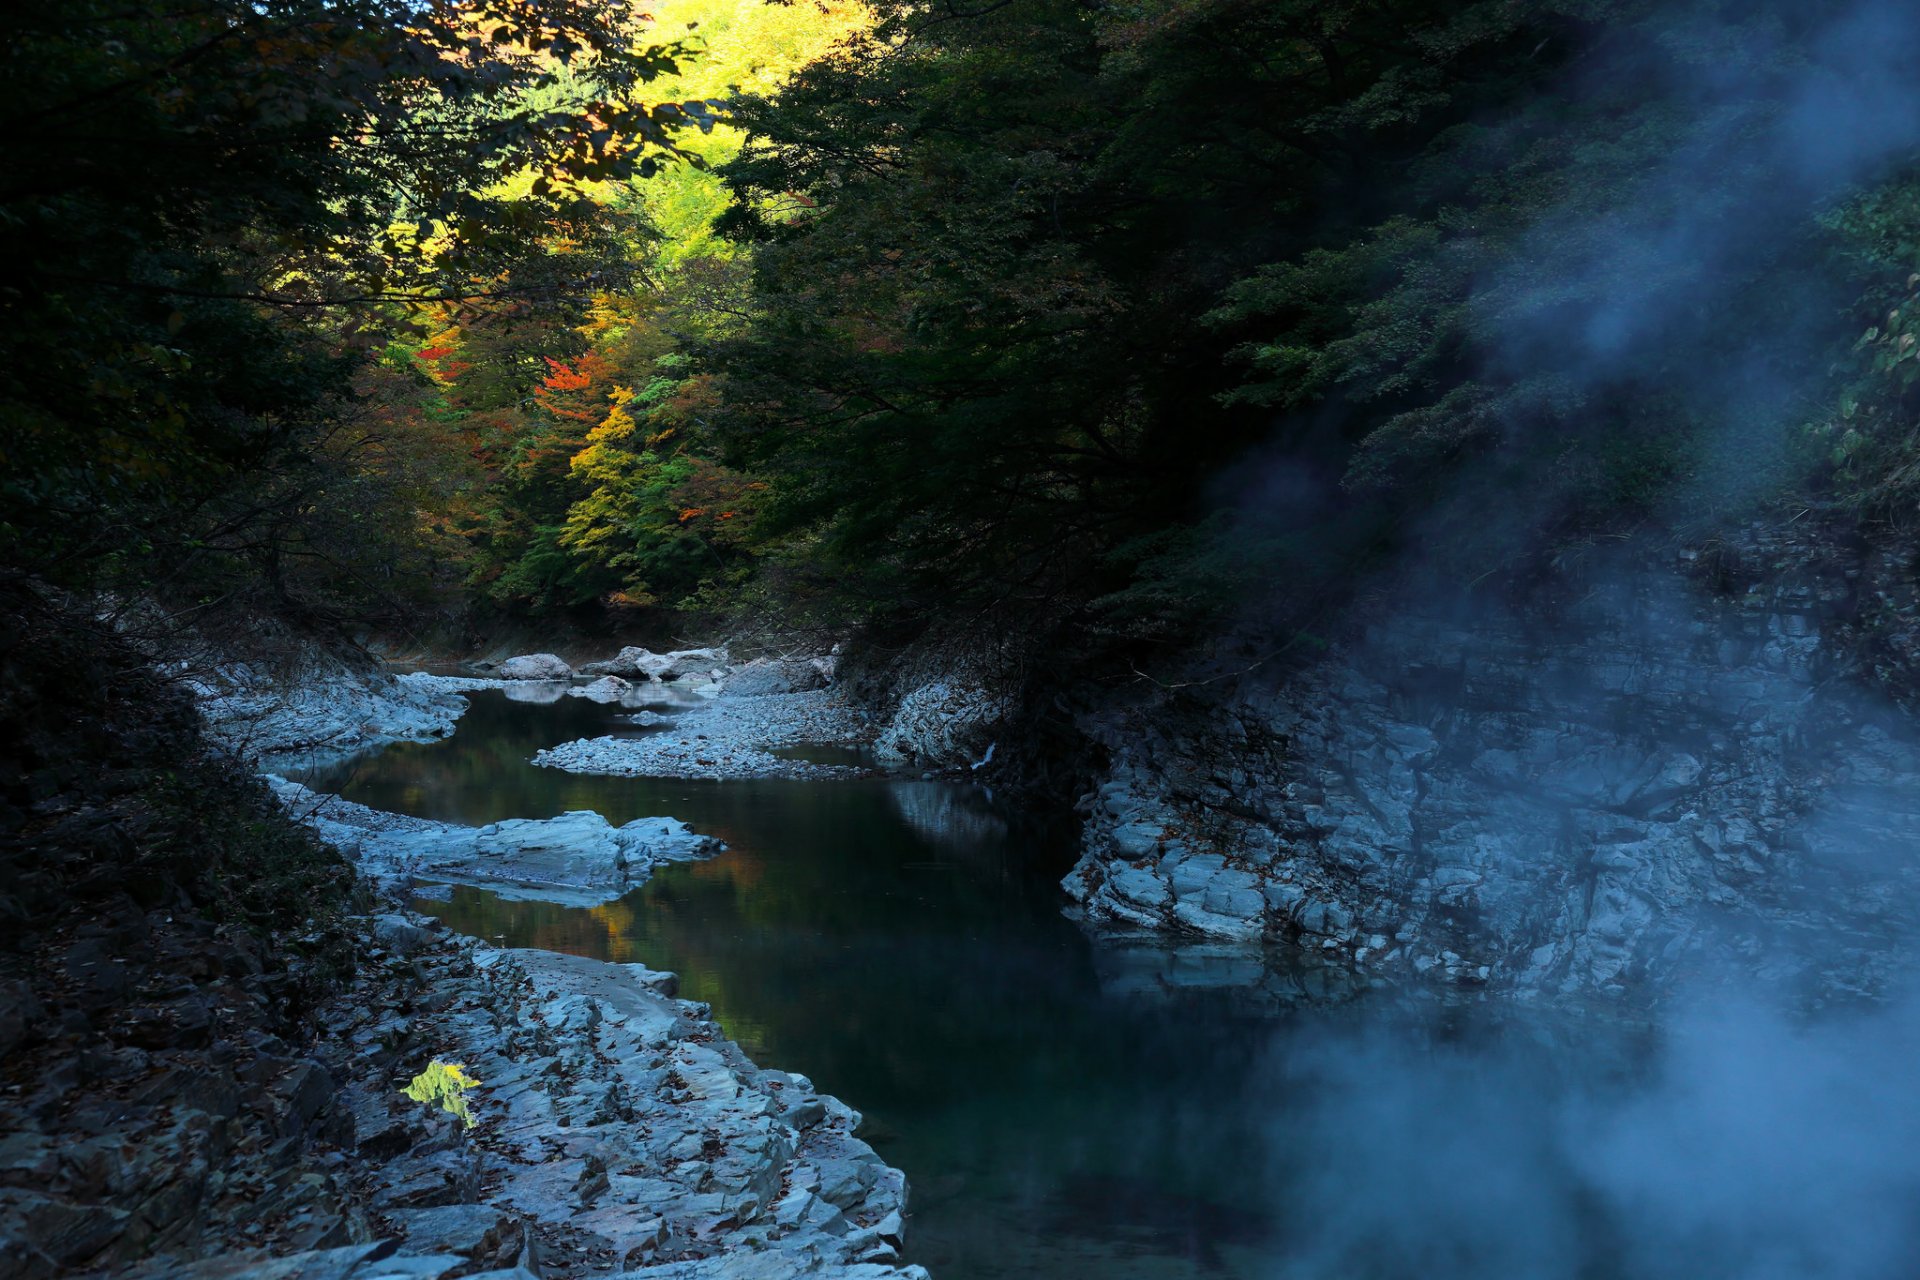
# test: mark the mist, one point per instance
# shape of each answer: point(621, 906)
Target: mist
point(1747, 1130)
point(1739, 1143)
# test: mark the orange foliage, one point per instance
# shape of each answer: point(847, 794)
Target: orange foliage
point(577, 392)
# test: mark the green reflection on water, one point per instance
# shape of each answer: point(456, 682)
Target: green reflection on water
point(899, 943)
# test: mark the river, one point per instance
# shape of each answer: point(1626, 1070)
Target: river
point(1068, 1106)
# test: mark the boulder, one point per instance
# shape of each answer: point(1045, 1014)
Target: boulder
point(631, 663)
point(942, 725)
point(535, 666)
point(764, 676)
point(635, 663)
point(398, 934)
point(605, 689)
point(683, 664)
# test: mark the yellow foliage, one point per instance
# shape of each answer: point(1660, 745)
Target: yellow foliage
point(746, 46)
point(445, 1083)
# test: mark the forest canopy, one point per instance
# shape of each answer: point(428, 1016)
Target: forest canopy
point(1110, 315)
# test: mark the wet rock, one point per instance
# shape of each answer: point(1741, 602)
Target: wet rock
point(534, 666)
point(577, 857)
point(605, 689)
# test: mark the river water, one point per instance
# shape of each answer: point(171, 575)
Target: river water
point(1066, 1106)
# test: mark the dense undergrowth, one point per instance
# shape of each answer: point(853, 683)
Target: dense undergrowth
point(115, 806)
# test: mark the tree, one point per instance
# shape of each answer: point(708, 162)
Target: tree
point(215, 210)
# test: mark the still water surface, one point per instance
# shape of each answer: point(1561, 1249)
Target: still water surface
point(1062, 1107)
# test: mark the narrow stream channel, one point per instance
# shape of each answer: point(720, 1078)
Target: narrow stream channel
point(1062, 1107)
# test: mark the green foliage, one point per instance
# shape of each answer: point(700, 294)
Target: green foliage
point(1028, 283)
point(984, 250)
point(598, 484)
point(444, 1084)
point(1121, 313)
point(199, 264)
point(1871, 439)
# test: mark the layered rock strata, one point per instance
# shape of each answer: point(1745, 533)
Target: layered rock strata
point(1600, 797)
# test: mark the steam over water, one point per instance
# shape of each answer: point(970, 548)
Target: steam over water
point(1067, 1107)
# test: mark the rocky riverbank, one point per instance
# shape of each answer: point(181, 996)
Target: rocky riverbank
point(206, 1021)
point(1670, 771)
point(615, 1129)
point(634, 1137)
point(323, 705)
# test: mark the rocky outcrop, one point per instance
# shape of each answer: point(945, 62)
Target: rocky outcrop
point(942, 703)
point(578, 858)
point(633, 663)
point(535, 666)
point(942, 724)
point(1665, 773)
point(764, 676)
point(615, 1128)
point(326, 704)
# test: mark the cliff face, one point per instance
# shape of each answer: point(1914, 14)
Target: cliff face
point(1692, 759)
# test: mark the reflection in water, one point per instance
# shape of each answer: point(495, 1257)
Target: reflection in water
point(940, 813)
point(1070, 1109)
point(539, 693)
point(937, 987)
point(901, 943)
point(483, 773)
